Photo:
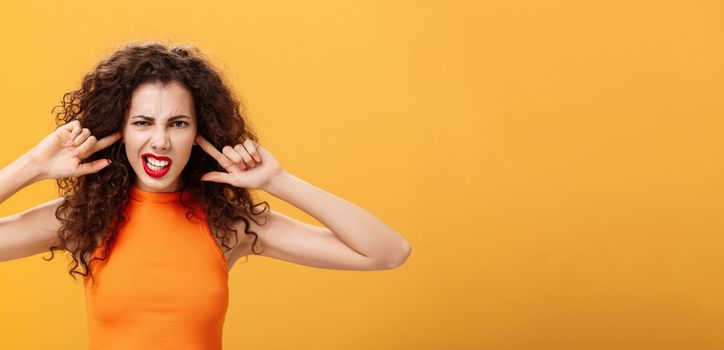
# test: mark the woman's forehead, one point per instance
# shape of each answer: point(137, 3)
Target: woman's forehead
point(161, 100)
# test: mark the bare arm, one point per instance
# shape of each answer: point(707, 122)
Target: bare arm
point(59, 154)
point(17, 175)
point(286, 238)
point(351, 238)
point(30, 232)
point(34, 230)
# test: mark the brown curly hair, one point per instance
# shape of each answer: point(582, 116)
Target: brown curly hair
point(94, 206)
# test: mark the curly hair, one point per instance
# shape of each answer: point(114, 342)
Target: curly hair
point(94, 206)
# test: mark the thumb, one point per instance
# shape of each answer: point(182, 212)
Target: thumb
point(92, 167)
point(216, 176)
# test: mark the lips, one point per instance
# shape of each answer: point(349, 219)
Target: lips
point(155, 172)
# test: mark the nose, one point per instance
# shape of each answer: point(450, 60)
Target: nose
point(159, 141)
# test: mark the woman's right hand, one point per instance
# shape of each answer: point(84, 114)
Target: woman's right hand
point(61, 153)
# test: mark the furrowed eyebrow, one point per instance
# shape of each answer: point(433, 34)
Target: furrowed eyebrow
point(147, 118)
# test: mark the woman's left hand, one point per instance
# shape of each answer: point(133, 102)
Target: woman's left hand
point(247, 165)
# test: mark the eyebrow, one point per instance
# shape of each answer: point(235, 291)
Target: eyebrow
point(147, 118)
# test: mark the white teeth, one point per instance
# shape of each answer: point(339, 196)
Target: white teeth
point(155, 165)
point(158, 163)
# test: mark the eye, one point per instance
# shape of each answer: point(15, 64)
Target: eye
point(140, 123)
point(179, 123)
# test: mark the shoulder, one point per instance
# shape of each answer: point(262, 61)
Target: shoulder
point(266, 229)
point(250, 230)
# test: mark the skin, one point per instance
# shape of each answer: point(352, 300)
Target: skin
point(351, 238)
point(361, 241)
point(161, 120)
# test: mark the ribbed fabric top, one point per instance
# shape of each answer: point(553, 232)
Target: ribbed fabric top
point(164, 284)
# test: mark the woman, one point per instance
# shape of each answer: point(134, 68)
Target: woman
point(155, 162)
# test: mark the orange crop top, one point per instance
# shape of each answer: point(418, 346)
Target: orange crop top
point(164, 284)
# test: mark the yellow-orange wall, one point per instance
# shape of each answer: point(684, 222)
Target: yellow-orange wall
point(556, 165)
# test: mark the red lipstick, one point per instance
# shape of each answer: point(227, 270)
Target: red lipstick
point(155, 172)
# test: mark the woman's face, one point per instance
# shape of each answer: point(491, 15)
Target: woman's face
point(159, 132)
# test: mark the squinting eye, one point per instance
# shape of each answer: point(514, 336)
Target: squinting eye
point(181, 125)
point(140, 123)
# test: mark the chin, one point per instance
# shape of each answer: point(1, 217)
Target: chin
point(156, 185)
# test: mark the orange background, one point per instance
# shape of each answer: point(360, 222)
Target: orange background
point(556, 165)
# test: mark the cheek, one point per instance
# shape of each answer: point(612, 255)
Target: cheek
point(127, 149)
point(188, 142)
point(132, 146)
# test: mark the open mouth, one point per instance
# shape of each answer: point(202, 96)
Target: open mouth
point(155, 166)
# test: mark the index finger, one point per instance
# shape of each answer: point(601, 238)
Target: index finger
point(107, 141)
point(210, 149)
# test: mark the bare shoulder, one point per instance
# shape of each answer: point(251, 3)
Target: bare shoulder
point(256, 225)
point(242, 245)
point(269, 224)
point(29, 232)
